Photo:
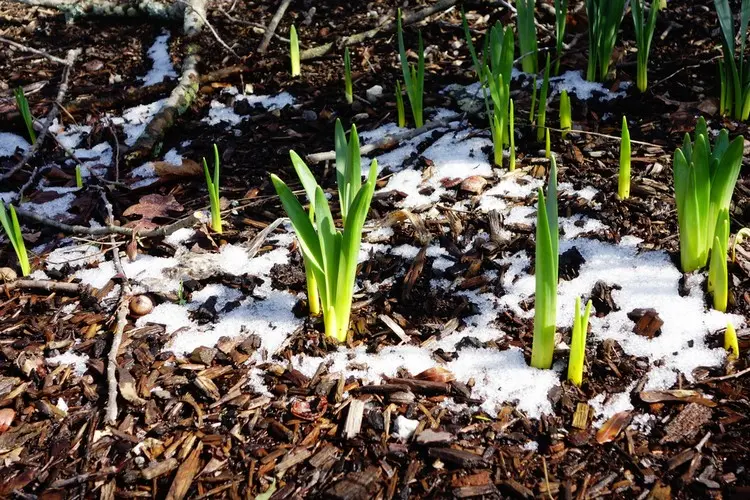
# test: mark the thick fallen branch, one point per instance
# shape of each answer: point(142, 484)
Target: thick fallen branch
point(272, 25)
point(409, 18)
point(63, 89)
point(73, 9)
point(108, 229)
point(183, 94)
point(388, 141)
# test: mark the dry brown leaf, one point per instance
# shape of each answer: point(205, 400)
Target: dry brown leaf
point(612, 427)
point(153, 206)
point(128, 390)
point(436, 374)
point(167, 170)
point(684, 395)
point(7, 415)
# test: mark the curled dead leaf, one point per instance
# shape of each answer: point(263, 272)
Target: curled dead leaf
point(683, 395)
point(612, 427)
point(7, 415)
point(436, 374)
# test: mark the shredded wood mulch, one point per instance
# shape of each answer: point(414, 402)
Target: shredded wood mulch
point(193, 427)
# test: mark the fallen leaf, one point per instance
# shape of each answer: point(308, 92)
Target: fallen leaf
point(676, 395)
point(188, 168)
point(612, 427)
point(153, 206)
point(7, 415)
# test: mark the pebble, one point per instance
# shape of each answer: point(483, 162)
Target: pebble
point(374, 93)
point(309, 115)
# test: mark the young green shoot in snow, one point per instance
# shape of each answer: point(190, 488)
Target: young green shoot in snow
point(578, 343)
point(623, 180)
point(512, 133)
point(332, 253)
point(604, 18)
point(79, 178)
point(13, 232)
point(401, 112)
point(542, 115)
point(644, 33)
point(526, 28)
point(546, 269)
point(547, 144)
point(734, 72)
point(730, 342)
point(704, 180)
point(561, 20)
point(348, 89)
point(718, 276)
point(566, 119)
point(23, 107)
point(413, 76)
point(213, 191)
point(294, 51)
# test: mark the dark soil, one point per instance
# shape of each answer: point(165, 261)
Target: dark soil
point(226, 441)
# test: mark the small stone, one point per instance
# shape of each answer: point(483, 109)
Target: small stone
point(203, 355)
point(309, 115)
point(7, 274)
point(360, 117)
point(250, 344)
point(374, 93)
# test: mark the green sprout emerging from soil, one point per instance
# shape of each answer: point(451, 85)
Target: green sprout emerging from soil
point(413, 76)
point(578, 343)
point(213, 191)
point(623, 179)
point(13, 231)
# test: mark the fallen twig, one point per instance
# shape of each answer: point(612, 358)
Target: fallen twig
point(258, 28)
point(74, 9)
point(33, 51)
point(408, 18)
point(388, 141)
point(63, 89)
point(109, 228)
point(272, 26)
point(45, 286)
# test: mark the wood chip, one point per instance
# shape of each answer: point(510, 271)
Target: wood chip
point(612, 427)
point(581, 416)
point(354, 418)
point(183, 479)
point(687, 424)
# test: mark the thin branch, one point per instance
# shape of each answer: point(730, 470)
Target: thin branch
point(258, 28)
point(33, 51)
point(388, 141)
point(45, 286)
point(275, 20)
point(409, 18)
point(109, 228)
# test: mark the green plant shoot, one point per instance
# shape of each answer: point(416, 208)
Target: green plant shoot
point(547, 245)
point(512, 134)
point(623, 180)
point(294, 52)
point(526, 28)
point(547, 144)
point(604, 18)
point(644, 33)
point(734, 71)
point(79, 178)
point(533, 99)
point(348, 89)
point(730, 342)
point(23, 107)
point(718, 275)
point(331, 253)
point(413, 76)
point(541, 117)
point(561, 20)
point(704, 180)
point(213, 191)
point(578, 343)
point(401, 112)
point(13, 231)
point(566, 119)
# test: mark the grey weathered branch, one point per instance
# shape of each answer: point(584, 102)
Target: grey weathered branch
point(73, 9)
point(390, 27)
point(272, 25)
point(44, 286)
point(388, 141)
point(32, 50)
